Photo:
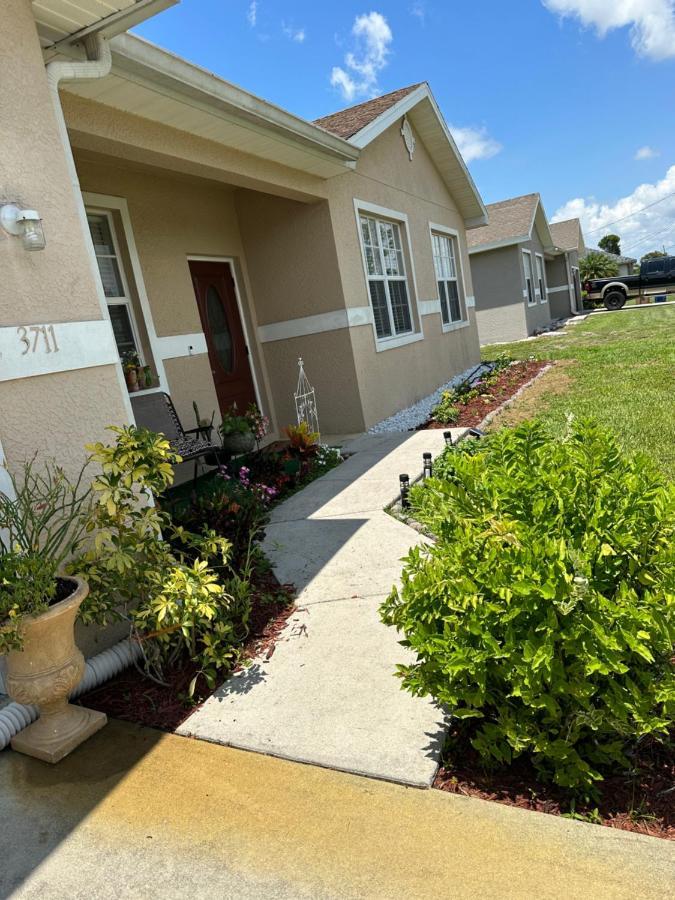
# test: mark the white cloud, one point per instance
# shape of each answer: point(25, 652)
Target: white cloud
point(294, 34)
point(475, 143)
point(652, 22)
point(372, 37)
point(252, 13)
point(646, 153)
point(640, 231)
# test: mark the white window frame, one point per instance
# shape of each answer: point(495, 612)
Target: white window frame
point(435, 228)
point(108, 203)
point(125, 299)
point(541, 282)
point(526, 293)
point(372, 210)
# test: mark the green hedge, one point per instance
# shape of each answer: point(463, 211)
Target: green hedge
point(543, 615)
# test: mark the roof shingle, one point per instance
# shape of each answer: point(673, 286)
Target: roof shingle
point(567, 234)
point(347, 122)
point(507, 219)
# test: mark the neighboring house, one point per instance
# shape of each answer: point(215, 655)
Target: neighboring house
point(626, 264)
point(217, 236)
point(562, 269)
point(508, 267)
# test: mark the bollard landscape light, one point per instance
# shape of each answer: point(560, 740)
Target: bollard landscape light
point(426, 465)
point(23, 223)
point(447, 437)
point(404, 484)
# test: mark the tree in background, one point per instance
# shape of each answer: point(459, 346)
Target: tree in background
point(610, 243)
point(597, 265)
point(653, 254)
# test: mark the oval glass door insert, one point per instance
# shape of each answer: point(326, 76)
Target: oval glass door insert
point(221, 336)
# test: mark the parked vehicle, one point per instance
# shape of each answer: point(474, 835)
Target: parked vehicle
point(656, 276)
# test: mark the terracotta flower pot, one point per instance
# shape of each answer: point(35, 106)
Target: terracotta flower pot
point(131, 376)
point(44, 672)
point(239, 443)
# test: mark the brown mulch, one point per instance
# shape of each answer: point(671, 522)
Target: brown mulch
point(509, 381)
point(642, 800)
point(133, 697)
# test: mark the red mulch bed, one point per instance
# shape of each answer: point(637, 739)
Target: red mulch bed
point(641, 801)
point(508, 382)
point(135, 698)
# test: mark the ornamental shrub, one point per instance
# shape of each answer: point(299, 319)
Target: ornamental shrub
point(543, 615)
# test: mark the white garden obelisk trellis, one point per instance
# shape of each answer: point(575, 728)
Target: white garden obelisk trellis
point(305, 400)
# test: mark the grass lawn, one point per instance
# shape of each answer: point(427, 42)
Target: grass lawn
point(618, 368)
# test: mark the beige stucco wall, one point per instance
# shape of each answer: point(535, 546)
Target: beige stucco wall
point(52, 414)
point(498, 287)
point(171, 219)
point(385, 176)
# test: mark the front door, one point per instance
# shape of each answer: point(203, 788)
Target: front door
point(228, 353)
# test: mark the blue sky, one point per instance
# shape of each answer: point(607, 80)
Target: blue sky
point(555, 96)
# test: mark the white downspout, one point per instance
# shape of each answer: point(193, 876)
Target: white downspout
point(97, 65)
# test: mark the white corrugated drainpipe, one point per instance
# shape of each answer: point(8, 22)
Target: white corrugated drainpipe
point(15, 716)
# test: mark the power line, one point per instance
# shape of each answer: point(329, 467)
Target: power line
point(649, 237)
point(630, 215)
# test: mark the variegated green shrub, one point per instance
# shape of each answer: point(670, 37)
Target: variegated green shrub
point(543, 615)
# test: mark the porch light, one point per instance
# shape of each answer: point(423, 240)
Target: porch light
point(24, 223)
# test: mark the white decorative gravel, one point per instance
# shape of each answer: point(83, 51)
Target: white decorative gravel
point(420, 412)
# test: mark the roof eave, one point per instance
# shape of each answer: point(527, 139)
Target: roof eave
point(477, 215)
point(113, 24)
point(497, 245)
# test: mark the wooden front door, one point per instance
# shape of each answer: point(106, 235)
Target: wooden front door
point(228, 353)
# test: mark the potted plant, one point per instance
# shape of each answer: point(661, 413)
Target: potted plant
point(237, 431)
point(137, 376)
point(41, 525)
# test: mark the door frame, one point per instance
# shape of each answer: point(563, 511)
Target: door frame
point(193, 257)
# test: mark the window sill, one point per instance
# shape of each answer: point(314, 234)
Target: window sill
point(400, 341)
point(455, 326)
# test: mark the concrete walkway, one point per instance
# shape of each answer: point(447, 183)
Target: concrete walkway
point(134, 813)
point(328, 694)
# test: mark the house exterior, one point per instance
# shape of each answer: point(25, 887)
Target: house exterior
point(216, 236)
point(626, 264)
point(509, 269)
point(562, 269)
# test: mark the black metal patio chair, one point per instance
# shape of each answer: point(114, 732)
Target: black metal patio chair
point(156, 412)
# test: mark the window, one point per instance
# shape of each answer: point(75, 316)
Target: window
point(541, 278)
point(114, 284)
point(387, 282)
point(529, 287)
point(445, 264)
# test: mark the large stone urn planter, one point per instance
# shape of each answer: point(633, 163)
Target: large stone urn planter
point(44, 672)
point(239, 443)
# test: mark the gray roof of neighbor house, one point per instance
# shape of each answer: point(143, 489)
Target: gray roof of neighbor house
point(614, 256)
point(347, 122)
point(509, 222)
point(567, 234)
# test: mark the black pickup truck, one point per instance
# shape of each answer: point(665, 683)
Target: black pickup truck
point(656, 276)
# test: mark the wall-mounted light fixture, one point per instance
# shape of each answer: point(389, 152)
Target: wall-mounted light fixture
point(24, 223)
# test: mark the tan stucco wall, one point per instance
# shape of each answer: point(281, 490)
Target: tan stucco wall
point(171, 219)
point(54, 414)
point(498, 286)
point(385, 175)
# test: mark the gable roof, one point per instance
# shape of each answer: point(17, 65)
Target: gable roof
point(363, 123)
point(347, 122)
point(568, 235)
point(511, 222)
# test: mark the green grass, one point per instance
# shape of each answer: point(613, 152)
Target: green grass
point(622, 373)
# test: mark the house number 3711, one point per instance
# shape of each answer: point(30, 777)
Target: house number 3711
point(37, 339)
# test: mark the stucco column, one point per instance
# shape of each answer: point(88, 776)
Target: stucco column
point(59, 382)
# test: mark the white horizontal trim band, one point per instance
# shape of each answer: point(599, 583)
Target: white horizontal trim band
point(555, 290)
point(177, 345)
point(470, 302)
point(429, 307)
point(44, 349)
point(330, 321)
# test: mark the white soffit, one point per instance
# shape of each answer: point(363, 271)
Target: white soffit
point(59, 20)
point(149, 82)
